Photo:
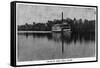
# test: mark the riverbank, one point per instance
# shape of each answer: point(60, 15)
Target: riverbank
point(34, 31)
point(91, 32)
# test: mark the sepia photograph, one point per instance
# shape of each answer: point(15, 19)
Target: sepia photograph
point(53, 33)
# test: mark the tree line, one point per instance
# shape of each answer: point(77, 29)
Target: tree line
point(77, 25)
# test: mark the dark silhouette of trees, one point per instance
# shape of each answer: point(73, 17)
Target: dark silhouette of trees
point(78, 26)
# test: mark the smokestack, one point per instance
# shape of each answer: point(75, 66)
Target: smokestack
point(62, 16)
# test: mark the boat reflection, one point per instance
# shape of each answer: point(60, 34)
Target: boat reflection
point(40, 46)
point(67, 38)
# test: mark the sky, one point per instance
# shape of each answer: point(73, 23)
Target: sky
point(29, 13)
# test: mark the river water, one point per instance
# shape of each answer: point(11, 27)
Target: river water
point(45, 46)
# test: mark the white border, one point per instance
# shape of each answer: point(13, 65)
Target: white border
point(54, 5)
point(56, 60)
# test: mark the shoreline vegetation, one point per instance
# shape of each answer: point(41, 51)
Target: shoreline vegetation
point(77, 26)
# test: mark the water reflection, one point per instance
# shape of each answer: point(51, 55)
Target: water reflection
point(73, 37)
point(44, 46)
